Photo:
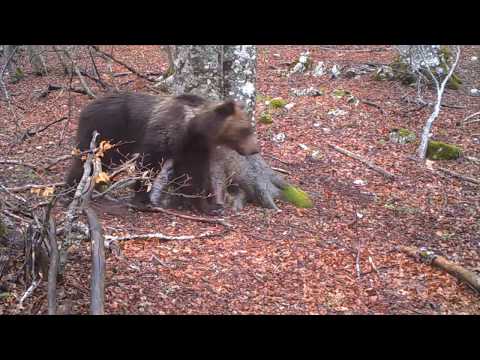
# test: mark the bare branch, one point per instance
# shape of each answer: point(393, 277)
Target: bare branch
point(53, 268)
point(465, 121)
point(122, 63)
point(98, 263)
point(80, 77)
point(366, 162)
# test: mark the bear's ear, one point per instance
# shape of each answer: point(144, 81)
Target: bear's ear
point(226, 109)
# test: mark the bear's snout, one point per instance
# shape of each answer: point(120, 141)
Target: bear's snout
point(249, 146)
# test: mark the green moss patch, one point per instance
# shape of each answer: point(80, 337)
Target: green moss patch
point(438, 150)
point(297, 197)
point(339, 93)
point(278, 103)
point(265, 118)
point(402, 136)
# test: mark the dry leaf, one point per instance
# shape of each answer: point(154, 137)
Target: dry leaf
point(35, 191)
point(44, 192)
point(48, 191)
point(104, 146)
point(102, 178)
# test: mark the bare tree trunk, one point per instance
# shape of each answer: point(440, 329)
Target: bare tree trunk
point(198, 70)
point(440, 88)
point(9, 54)
point(227, 71)
point(239, 75)
point(36, 59)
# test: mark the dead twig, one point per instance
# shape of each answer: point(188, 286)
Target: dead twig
point(465, 121)
point(473, 159)
point(33, 186)
point(275, 158)
point(55, 161)
point(173, 213)
point(160, 236)
point(96, 48)
point(363, 161)
point(19, 163)
point(30, 133)
point(283, 171)
point(457, 175)
point(29, 291)
point(367, 102)
point(53, 267)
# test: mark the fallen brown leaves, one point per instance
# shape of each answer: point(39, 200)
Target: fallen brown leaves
point(296, 261)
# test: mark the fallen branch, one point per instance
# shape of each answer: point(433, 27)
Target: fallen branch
point(275, 158)
point(33, 186)
point(283, 171)
point(357, 262)
point(10, 192)
point(354, 50)
point(366, 162)
point(120, 74)
point(160, 236)
point(96, 48)
point(473, 159)
point(55, 161)
point(53, 267)
point(194, 218)
point(464, 121)
point(367, 102)
point(52, 87)
point(457, 175)
point(19, 163)
point(29, 291)
point(439, 261)
point(30, 133)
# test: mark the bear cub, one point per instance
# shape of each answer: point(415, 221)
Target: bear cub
point(185, 128)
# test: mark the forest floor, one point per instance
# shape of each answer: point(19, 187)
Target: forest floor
point(296, 261)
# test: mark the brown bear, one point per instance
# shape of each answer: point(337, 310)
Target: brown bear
point(184, 128)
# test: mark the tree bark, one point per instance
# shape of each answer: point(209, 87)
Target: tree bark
point(36, 59)
point(9, 54)
point(239, 75)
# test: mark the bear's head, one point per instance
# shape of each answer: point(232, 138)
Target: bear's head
point(232, 128)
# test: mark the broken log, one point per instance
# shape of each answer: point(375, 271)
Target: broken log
point(456, 270)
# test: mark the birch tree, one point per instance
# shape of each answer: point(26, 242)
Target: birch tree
point(423, 54)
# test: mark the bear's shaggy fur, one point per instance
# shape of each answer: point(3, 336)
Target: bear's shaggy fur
point(183, 128)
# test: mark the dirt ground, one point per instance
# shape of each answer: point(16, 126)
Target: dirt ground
point(295, 261)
